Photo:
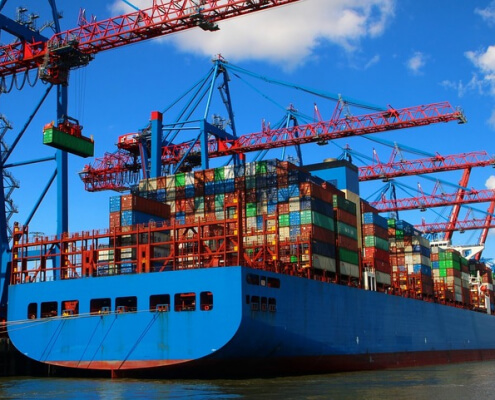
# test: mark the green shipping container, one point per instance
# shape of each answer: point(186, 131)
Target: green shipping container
point(180, 179)
point(251, 210)
point(346, 230)
point(261, 167)
point(313, 217)
point(219, 174)
point(80, 146)
point(374, 241)
point(219, 201)
point(348, 256)
point(283, 220)
point(344, 204)
point(250, 181)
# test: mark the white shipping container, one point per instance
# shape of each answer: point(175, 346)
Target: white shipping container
point(189, 178)
point(324, 263)
point(250, 169)
point(170, 182)
point(284, 233)
point(349, 269)
point(251, 223)
point(383, 278)
point(294, 204)
point(229, 172)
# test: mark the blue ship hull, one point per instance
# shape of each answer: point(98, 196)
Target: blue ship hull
point(304, 326)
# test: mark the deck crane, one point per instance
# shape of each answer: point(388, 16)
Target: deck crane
point(54, 57)
point(438, 163)
point(434, 200)
point(101, 177)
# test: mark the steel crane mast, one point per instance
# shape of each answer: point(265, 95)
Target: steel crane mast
point(486, 228)
point(76, 47)
point(456, 208)
point(438, 163)
point(101, 176)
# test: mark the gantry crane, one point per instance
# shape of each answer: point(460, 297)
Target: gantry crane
point(463, 195)
point(54, 57)
point(438, 163)
point(120, 170)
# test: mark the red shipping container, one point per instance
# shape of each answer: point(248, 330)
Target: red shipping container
point(345, 217)
point(181, 205)
point(346, 242)
point(251, 196)
point(114, 219)
point(313, 190)
point(283, 208)
point(199, 178)
point(209, 175)
point(240, 183)
point(317, 233)
point(180, 192)
point(367, 208)
point(374, 230)
point(161, 182)
point(137, 203)
point(378, 265)
point(332, 189)
point(375, 252)
point(282, 181)
point(210, 203)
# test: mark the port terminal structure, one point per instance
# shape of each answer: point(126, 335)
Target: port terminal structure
point(145, 156)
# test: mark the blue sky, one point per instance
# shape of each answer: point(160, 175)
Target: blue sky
point(384, 52)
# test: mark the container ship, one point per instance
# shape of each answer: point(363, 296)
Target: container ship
point(252, 269)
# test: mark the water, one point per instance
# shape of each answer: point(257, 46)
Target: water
point(447, 382)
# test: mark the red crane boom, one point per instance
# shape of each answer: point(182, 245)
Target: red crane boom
point(440, 200)
point(429, 165)
point(439, 227)
point(100, 177)
point(75, 47)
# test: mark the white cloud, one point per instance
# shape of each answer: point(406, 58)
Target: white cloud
point(286, 35)
point(416, 62)
point(490, 182)
point(475, 84)
point(488, 13)
point(485, 62)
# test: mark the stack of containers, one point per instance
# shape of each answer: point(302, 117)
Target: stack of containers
point(130, 209)
point(346, 233)
point(410, 258)
point(439, 279)
point(450, 270)
point(482, 295)
point(282, 205)
point(375, 251)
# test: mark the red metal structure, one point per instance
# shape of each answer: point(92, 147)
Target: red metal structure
point(435, 200)
point(486, 228)
point(468, 224)
point(439, 163)
point(106, 174)
point(76, 47)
